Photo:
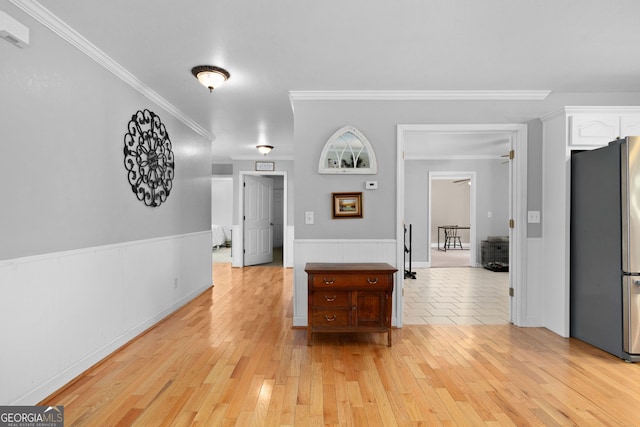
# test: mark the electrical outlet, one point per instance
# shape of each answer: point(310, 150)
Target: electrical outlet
point(533, 217)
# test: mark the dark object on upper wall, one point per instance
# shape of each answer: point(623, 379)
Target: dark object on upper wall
point(148, 158)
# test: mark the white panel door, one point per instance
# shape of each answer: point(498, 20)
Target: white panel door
point(258, 220)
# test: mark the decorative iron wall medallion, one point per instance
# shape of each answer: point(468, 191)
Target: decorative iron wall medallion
point(148, 158)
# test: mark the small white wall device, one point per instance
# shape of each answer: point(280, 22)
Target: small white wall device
point(13, 31)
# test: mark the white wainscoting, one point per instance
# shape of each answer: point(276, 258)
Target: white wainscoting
point(337, 250)
point(236, 247)
point(288, 253)
point(533, 301)
point(61, 313)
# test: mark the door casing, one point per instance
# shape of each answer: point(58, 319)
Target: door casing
point(517, 134)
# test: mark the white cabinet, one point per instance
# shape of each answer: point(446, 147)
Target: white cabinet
point(591, 128)
point(630, 125)
point(570, 128)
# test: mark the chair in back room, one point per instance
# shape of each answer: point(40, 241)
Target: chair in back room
point(451, 235)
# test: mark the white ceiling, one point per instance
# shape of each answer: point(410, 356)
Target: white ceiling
point(276, 46)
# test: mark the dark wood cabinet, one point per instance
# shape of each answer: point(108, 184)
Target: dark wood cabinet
point(349, 297)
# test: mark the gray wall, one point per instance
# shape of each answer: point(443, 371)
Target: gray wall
point(85, 266)
point(314, 125)
point(316, 121)
point(534, 174)
point(63, 118)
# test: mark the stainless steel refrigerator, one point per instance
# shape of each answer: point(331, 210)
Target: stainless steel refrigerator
point(605, 247)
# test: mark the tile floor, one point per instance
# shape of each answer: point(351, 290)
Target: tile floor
point(462, 296)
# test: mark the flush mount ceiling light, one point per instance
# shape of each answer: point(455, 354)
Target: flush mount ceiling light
point(210, 76)
point(264, 149)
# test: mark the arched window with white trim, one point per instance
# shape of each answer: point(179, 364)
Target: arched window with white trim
point(348, 151)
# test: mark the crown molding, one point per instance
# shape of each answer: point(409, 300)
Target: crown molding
point(419, 95)
point(59, 27)
point(591, 109)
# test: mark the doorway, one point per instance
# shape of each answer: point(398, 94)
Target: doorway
point(516, 134)
point(221, 218)
point(280, 245)
point(455, 289)
point(452, 202)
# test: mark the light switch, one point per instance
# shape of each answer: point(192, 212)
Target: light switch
point(308, 217)
point(533, 217)
point(371, 185)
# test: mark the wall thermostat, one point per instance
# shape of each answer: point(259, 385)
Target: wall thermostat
point(371, 185)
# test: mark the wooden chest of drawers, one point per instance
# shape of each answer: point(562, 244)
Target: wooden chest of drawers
point(349, 297)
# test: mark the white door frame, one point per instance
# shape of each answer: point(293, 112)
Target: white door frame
point(237, 258)
point(472, 209)
point(517, 268)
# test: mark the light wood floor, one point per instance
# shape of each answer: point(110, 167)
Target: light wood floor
point(231, 357)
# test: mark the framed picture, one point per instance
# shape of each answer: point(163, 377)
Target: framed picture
point(265, 166)
point(347, 205)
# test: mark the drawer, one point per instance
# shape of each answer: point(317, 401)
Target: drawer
point(330, 298)
point(370, 280)
point(330, 318)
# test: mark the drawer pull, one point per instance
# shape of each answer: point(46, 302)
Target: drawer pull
point(328, 281)
point(330, 319)
point(372, 281)
point(330, 299)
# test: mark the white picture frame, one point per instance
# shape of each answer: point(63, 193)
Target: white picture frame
point(265, 166)
point(348, 151)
